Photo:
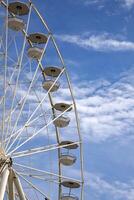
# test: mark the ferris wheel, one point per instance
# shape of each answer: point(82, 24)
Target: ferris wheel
point(40, 142)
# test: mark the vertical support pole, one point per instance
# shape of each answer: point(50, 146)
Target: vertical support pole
point(18, 186)
point(10, 186)
point(3, 182)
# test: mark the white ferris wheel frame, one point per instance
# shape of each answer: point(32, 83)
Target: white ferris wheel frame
point(8, 175)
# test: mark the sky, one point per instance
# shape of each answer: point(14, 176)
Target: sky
point(96, 38)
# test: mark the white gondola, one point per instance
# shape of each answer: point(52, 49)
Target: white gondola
point(49, 83)
point(52, 71)
point(35, 52)
point(16, 24)
point(18, 8)
point(70, 184)
point(69, 197)
point(37, 38)
point(67, 159)
point(69, 145)
point(62, 121)
point(62, 107)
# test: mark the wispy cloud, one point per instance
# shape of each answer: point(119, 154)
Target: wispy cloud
point(93, 2)
point(97, 184)
point(105, 108)
point(103, 42)
point(128, 3)
point(101, 3)
point(114, 190)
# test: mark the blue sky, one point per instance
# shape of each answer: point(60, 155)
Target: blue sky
point(96, 38)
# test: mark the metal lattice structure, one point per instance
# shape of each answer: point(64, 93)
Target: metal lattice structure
point(40, 142)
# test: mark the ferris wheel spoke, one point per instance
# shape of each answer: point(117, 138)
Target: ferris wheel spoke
point(29, 122)
point(11, 39)
point(41, 150)
point(47, 131)
point(49, 180)
point(33, 186)
point(45, 173)
point(35, 151)
point(15, 134)
point(36, 109)
point(30, 86)
point(37, 133)
point(5, 78)
point(5, 73)
point(7, 140)
point(8, 48)
point(14, 109)
point(9, 120)
point(28, 91)
point(9, 82)
point(16, 48)
point(20, 60)
point(12, 60)
point(20, 66)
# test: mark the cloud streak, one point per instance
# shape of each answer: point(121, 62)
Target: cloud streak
point(105, 108)
point(102, 42)
point(99, 187)
point(114, 190)
point(128, 3)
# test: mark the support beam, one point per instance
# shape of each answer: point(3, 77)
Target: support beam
point(11, 186)
point(18, 186)
point(3, 182)
point(41, 150)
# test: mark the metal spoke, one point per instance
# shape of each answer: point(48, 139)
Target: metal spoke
point(41, 150)
point(32, 185)
point(5, 76)
point(20, 65)
point(40, 130)
point(48, 173)
point(29, 122)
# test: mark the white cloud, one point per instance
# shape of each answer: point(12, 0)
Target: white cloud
point(128, 3)
point(105, 109)
point(115, 190)
point(102, 42)
point(97, 184)
point(125, 3)
point(89, 2)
